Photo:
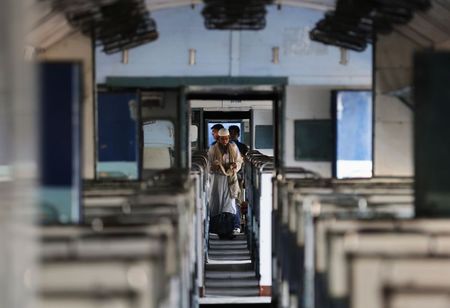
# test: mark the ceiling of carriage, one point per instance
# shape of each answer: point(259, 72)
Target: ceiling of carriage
point(50, 26)
point(429, 29)
point(47, 26)
point(394, 55)
point(314, 4)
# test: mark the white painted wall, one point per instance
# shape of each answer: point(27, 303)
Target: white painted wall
point(394, 62)
point(249, 53)
point(244, 53)
point(78, 48)
point(308, 102)
point(393, 154)
point(265, 229)
point(305, 102)
point(393, 144)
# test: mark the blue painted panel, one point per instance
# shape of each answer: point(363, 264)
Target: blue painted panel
point(55, 205)
point(60, 101)
point(60, 144)
point(182, 28)
point(354, 125)
point(116, 127)
point(117, 169)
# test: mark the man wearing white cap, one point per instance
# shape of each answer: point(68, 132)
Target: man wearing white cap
point(224, 161)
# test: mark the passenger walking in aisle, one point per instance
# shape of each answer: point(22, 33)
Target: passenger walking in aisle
point(235, 133)
point(243, 149)
point(225, 161)
point(215, 132)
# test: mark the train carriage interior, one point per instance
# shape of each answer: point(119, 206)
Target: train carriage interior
point(334, 124)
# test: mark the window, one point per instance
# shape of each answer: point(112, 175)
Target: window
point(5, 173)
point(159, 141)
point(353, 112)
point(193, 137)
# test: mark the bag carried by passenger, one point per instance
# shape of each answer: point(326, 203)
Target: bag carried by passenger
point(232, 177)
point(233, 184)
point(222, 225)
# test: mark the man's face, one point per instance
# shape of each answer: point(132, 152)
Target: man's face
point(234, 135)
point(224, 140)
point(215, 133)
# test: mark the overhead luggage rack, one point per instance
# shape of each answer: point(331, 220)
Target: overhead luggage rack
point(235, 14)
point(354, 24)
point(114, 24)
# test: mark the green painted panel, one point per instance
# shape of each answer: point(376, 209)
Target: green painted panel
point(170, 82)
point(313, 140)
point(432, 134)
point(264, 136)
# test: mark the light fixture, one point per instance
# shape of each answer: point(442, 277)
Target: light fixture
point(192, 56)
point(236, 14)
point(344, 56)
point(279, 5)
point(125, 56)
point(275, 55)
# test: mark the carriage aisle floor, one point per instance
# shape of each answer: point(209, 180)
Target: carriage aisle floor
point(230, 275)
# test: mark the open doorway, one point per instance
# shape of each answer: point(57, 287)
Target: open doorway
point(256, 121)
point(254, 118)
point(226, 124)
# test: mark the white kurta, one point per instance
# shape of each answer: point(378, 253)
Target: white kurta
point(221, 200)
